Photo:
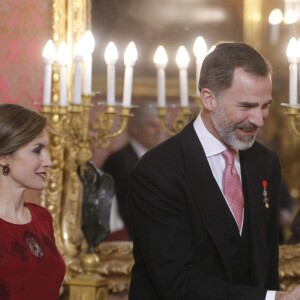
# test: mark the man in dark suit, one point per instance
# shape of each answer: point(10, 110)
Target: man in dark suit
point(143, 134)
point(190, 240)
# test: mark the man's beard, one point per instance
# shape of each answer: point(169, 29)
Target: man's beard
point(228, 135)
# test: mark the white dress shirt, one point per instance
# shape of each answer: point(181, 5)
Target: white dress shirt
point(213, 149)
point(138, 148)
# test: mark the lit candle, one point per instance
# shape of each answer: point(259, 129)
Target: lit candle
point(290, 16)
point(111, 57)
point(200, 50)
point(161, 60)
point(89, 43)
point(182, 60)
point(275, 18)
point(49, 57)
point(62, 56)
point(291, 53)
point(79, 50)
point(130, 57)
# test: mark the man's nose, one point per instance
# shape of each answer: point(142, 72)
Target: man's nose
point(257, 117)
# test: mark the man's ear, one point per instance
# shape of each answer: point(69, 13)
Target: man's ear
point(208, 99)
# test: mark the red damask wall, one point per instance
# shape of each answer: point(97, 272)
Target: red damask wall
point(25, 27)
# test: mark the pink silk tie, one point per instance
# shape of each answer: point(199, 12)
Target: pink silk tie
point(232, 187)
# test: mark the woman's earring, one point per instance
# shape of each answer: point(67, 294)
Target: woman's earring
point(5, 169)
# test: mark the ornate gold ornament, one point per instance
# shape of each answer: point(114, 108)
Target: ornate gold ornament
point(70, 138)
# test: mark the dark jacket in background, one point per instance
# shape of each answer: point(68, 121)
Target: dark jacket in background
point(119, 165)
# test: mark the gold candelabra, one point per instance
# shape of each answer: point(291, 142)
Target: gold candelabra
point(181, 119)
point(172, 123)
point(74, 125)
point(293, 114)
point(289, 254)
point(72, 132)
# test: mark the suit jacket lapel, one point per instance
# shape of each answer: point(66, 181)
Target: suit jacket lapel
point(202, 182)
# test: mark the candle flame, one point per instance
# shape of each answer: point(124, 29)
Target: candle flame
point(291, 51)
point(275, 16)
point(89, 42)
point(49, 50)
point(182, 58)
point(130, 55)
point(200, 48)
point(160, 57)
point(290, 16)
point(111, 53)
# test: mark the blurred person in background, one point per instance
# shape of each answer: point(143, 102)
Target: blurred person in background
point(144, 133)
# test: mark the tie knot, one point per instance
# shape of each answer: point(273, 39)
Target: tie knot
point(228, 155)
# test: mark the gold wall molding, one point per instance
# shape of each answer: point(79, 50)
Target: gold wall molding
point(289, 266)
point(116, 261)
point(70, 19)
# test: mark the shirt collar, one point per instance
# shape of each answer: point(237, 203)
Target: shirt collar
point(139, 149)
point(210, 144)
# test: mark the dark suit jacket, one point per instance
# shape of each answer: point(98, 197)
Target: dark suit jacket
point(119, 165)
point(181, 237)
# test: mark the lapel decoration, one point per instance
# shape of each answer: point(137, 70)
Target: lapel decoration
point(265, 193)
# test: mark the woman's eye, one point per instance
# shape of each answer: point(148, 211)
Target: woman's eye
point(37, 150)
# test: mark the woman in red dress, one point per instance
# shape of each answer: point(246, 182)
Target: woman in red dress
point(31, 267)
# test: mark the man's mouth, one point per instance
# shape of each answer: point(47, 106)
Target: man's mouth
point(248, 129)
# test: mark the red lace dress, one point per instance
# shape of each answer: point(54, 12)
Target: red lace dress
point(31, 268)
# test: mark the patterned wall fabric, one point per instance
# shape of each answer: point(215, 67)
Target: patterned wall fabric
point(25, 27)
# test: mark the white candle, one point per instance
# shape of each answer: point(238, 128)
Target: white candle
point(200, 50)
point(161, 60)
point(62, 55)
point(291, 53)
point(111, 57)
point(182, 60)
point(275, 18)
point(130, 57)
point(77, 80)
point(89, 43)
point(78, 71)
point(49, 56)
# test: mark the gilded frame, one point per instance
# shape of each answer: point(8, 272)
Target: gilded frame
point(70, 19)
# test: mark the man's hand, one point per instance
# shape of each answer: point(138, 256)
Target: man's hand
point(292, 295)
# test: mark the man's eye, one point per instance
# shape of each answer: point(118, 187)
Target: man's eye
point(247, 105)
